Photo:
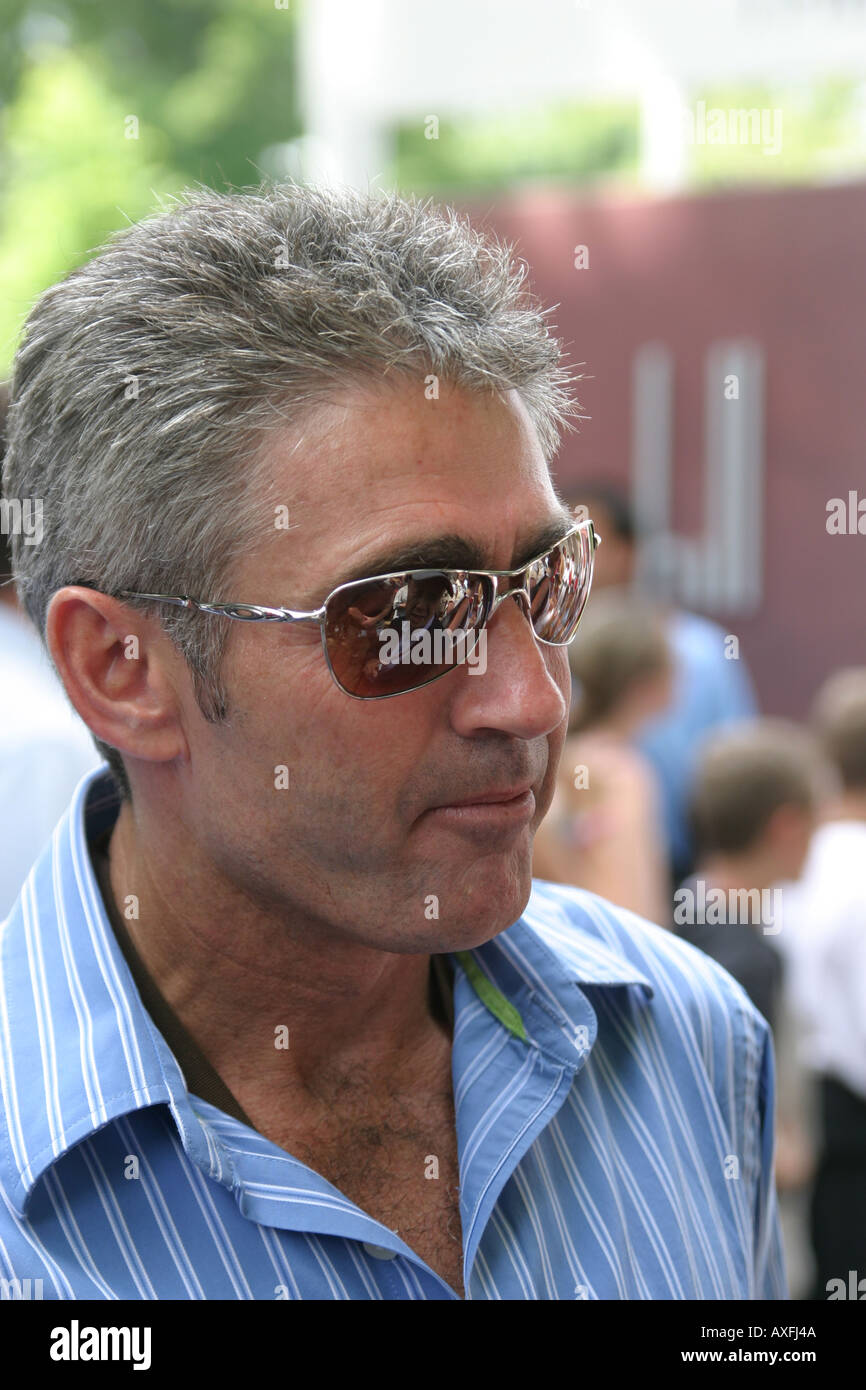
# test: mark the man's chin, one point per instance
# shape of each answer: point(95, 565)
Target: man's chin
point(484, 901)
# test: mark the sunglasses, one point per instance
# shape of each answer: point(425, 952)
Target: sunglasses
point(394, 633)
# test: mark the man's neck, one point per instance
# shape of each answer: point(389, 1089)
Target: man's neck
point(284, 1009)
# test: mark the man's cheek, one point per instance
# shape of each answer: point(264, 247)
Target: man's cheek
point(555, 746)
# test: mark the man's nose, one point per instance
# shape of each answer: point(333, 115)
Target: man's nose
point(522, 688)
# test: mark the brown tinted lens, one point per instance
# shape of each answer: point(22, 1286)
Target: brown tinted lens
point(558, 588)
point(386, 636)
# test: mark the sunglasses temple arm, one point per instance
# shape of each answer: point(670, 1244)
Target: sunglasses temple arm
point(242, 612)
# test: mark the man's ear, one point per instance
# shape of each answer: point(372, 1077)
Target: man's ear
point(119, 670)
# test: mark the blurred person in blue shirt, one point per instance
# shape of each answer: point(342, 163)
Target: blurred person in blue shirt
point(708, 690)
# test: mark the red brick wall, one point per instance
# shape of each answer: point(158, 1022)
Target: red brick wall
point(784, 268)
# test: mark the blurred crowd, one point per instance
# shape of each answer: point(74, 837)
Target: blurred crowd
point(742, 834)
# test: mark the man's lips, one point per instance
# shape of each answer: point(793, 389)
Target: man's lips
point(486, 798)
point(487, 814)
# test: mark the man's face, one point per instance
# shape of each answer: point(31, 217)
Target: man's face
point(360, 839)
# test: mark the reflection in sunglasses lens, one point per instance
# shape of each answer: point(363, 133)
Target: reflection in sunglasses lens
point(393, 635)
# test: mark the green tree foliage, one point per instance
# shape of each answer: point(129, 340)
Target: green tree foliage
point(107, 108)
point(565, 144)
point(801, 134)
point(821, 128)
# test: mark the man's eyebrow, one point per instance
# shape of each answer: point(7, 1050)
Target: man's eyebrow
point(454, 552)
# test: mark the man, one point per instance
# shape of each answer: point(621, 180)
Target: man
point(709, 690)
point(282, 1015)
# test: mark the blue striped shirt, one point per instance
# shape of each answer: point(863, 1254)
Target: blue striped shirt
point(613, 1090)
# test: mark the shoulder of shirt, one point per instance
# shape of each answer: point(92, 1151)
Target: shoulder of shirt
point(607, 945)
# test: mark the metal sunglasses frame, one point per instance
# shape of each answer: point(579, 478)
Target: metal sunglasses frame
point(257, 613)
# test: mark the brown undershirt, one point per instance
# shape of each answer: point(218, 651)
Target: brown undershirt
point(200, 1077)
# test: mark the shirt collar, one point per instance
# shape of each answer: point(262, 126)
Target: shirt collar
point(79, 1049)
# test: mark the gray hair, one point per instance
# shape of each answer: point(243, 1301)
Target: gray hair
point(146, 378)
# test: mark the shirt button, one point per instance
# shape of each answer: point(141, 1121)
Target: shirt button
point(379, 1252)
